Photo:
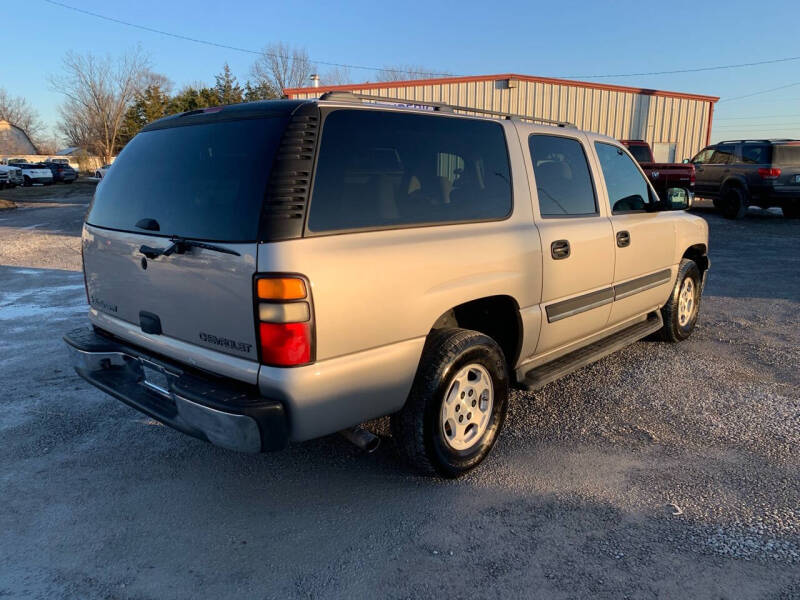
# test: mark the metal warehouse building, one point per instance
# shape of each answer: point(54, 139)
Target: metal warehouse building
point(676, 125)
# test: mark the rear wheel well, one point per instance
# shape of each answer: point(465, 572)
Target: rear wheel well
point(699, 254)
point(734, 183)
point(496, 316)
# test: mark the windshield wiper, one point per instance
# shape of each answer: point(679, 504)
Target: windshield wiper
point(180, 245)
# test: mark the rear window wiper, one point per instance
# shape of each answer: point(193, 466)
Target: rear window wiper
point(180, 245)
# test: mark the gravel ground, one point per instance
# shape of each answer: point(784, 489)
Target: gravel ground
point(663, 471)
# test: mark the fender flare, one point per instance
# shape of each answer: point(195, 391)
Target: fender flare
point(735, 180)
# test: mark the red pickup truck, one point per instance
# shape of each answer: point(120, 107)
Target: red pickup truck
point(661, 175)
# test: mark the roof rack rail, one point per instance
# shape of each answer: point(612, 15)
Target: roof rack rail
point(748, 141)
point(438, 107)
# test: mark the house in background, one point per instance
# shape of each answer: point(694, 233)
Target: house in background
point(80, 159)
point(72, 152)
point(14, 140)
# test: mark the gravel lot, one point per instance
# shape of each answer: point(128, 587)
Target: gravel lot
point(578, 499)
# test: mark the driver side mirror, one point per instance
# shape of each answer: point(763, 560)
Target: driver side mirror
point(678, 199)
point(686, 161)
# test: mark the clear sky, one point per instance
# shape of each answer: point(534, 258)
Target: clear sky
point(561, 38)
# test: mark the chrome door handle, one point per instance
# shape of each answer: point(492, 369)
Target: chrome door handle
point(623, 239)
point(560, 249)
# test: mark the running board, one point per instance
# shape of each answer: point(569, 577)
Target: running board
point(549, 372)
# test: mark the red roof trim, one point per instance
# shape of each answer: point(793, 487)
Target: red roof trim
point(290, 92)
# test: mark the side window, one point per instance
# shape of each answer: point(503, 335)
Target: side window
point(380, 169)
point(755, 154)
point(563, 181)
point(723, 155)
point(627, 187)
point(703, 156)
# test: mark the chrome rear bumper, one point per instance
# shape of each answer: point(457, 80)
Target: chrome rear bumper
point(222, 412)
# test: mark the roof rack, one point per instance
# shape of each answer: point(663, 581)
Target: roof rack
point(757, 141)
point(438, 107)
point(743, 141)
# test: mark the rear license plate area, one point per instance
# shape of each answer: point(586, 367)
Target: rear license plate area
point(155, 379)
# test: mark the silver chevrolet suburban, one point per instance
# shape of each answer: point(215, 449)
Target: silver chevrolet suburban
point(282, 270)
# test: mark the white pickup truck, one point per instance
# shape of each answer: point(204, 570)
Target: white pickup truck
point(10, 176)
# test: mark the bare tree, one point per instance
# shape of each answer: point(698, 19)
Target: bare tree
point(98, 93)
point(19, 113)
point(78, 129)
point(406, 73)
point(281, 67)
point(336, 76)
point(47, 145)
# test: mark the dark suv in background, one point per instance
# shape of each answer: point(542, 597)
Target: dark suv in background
point(740, 173)
point(62, 171)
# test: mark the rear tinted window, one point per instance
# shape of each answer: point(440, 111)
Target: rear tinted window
point(200, 181)
point(788, 156)
point(383, 169)
point(563, 183)
point(756, 154)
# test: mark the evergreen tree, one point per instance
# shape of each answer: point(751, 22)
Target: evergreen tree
point(155, 101)
point(151, 104)
point(227, 88)
point(259, 91)
point(192, 98)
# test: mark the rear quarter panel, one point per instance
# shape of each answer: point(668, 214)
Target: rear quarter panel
point(375, 288)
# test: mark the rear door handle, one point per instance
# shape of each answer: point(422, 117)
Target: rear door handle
point(559, 249)
point(623, 239)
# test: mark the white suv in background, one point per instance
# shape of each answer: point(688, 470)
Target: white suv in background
point(34, 173)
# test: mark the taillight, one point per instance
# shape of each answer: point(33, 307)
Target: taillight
point(692, 176)
point(771, 173)
point(285, 326)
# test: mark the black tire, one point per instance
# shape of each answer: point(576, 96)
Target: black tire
point(734, 203)
point(673, 331)
point(791, 211)
point(417, 428)
point(27, 182)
